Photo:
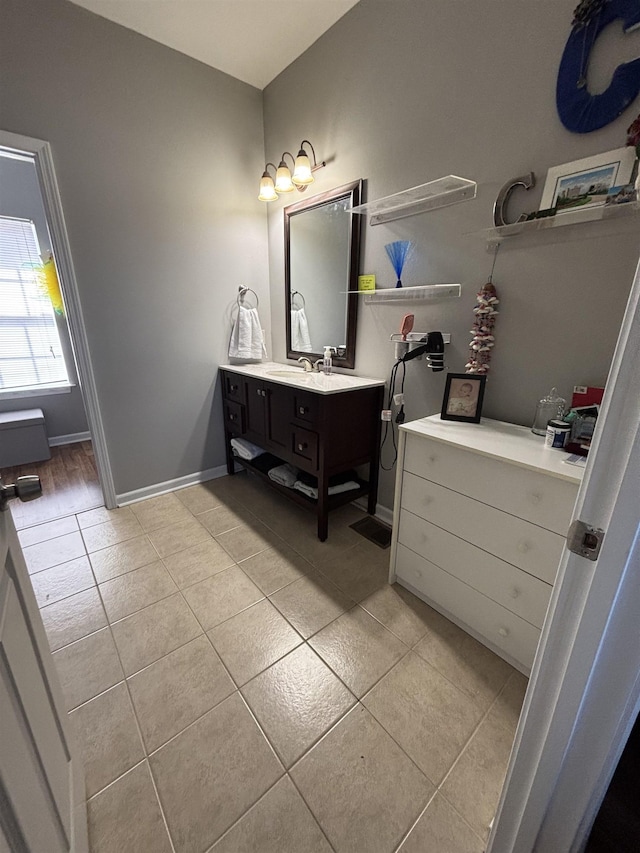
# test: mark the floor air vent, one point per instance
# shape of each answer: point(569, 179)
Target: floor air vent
point(374, 531)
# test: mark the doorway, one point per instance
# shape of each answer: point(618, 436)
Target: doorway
point(78, 475)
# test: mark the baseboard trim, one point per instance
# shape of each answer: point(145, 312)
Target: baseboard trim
point(170, 485)
point(71, 438)
point(383, 513)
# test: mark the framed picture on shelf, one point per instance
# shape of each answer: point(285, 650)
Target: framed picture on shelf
point(622, 195)
point(586, 183)
point(463, 396)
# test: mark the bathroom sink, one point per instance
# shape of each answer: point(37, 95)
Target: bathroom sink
point(299, 373)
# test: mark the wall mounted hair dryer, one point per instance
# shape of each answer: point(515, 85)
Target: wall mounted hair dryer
point(410, 345)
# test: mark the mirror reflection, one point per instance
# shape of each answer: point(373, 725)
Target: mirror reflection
point(322, 244)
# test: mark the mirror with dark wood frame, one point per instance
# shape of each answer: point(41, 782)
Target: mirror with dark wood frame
point(322, 262)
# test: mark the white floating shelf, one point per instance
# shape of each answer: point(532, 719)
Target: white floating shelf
point(439, 193)
point(410, 294)
point(579, 216)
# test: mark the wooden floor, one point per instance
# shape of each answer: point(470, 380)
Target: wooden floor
point(69, 485)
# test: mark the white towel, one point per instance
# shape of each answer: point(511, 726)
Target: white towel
point(243, 448)
point(312, 492)
point(285, 475)
point(300, 340)
point(246, 336)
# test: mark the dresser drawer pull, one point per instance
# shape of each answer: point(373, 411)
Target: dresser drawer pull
point(233, 417)
point(524, 546)
point(535, 498)
point(514, 592)
point(233, 387)
point(303, 410)
point(302, 446)
point(426, 500)
point(504, 632)
point(433, 458)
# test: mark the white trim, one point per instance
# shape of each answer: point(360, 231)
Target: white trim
point(383, 513)
point(52, 202)
point(43, 391)
point(70, 438)
point(170, 485)
point(584, 693)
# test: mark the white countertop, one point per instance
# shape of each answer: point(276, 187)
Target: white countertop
point(288, 374)
point(500, 440)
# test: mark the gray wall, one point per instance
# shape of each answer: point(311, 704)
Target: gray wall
point(20, 197)
point(402, 93)
point(158, 159)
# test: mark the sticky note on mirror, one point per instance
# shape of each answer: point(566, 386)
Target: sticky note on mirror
point(366, 282)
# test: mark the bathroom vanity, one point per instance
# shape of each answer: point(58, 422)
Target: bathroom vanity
point(323, 425)
point(481, 514)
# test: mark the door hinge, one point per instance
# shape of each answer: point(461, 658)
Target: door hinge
point(584, 540)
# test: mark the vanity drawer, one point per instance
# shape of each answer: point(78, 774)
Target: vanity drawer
point(305, 407)
point(234, 416)
point(539, 498)
point(525, 545)
point(232, 387)
point(305, 445)
point(517, 591)
point(503, 629)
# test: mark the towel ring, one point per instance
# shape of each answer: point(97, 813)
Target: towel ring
point(297, 293)
point(242, 291)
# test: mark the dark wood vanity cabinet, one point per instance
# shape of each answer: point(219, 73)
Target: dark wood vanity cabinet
point(322, 434)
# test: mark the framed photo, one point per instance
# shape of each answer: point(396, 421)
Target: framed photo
point(586, 183)
point(463, 395)
point(622, 195)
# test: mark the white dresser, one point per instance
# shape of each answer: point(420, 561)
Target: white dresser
point(481, 514)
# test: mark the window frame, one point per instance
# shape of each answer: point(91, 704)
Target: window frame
point(43, 389)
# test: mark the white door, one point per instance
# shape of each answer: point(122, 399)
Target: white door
point(584, 692)
point(42, 807)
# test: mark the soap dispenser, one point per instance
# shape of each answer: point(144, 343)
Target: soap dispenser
point(549, 408)
point(327, 363)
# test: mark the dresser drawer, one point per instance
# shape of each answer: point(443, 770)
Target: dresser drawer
point(517, 591)
point(305, 407)
point(531, 548)
point(539, 498)
point(305, 445)
point(234, 416)
point(503, 629)
point(232, 387)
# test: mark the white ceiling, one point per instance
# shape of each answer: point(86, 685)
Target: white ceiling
point(253, 40)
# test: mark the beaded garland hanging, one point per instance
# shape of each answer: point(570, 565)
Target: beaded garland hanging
point(483, 340)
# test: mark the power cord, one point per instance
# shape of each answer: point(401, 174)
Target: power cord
point(400, 416)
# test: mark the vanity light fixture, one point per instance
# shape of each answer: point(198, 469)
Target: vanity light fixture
point(285, 182)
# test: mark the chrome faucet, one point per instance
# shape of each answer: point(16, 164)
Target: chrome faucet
point(306, 363)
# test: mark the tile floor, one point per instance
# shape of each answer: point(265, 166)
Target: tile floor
point(236, 685)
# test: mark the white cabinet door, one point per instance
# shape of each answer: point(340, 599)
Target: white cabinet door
point(42, 807)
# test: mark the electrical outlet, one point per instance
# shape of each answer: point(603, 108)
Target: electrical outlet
point(385, 415)
point(398, 399)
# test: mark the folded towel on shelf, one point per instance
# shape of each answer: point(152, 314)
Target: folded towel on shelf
point(312, 491)
point(246, 336)
point(243, 448)
point(285, 475)
point(300, 340)
point(334, 480)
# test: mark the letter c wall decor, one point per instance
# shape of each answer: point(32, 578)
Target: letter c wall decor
point(580, 111)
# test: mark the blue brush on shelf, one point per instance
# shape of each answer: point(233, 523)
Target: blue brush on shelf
point(397, 253)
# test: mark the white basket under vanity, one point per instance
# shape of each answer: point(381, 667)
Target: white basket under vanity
point(481, 514)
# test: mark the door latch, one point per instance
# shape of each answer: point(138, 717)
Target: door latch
point(25, 488)
point(584, 540)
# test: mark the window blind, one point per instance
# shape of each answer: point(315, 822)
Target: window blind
point(31, 355)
